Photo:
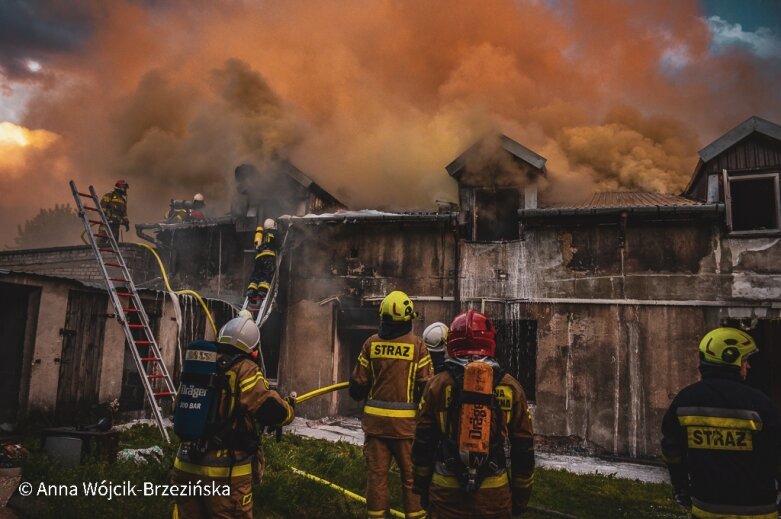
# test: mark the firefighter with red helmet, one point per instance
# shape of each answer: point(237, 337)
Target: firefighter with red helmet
point(392, 369)
point(114, 205)
point(722, 438)
point(469, 413)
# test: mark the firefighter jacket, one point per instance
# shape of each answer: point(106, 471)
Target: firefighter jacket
point(507, 486)
point(265, 262)
point(114, 204)
point(390, 374)
point(722, 445)
point(256, 402)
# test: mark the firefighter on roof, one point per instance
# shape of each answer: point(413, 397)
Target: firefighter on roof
point(391, 370)
point(186, 211)
point(469, 414)
point(114, 205)
point(223, 446)
point(721, 438)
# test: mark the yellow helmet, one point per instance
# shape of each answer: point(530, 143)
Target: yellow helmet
point(397, 306)
point(726, 347)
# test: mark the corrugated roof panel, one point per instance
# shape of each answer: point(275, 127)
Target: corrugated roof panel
point(631, 199)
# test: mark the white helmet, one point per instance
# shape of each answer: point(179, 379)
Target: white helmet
point(435, 337)
point(241, 333)
point(198, 197)
point(269, 223)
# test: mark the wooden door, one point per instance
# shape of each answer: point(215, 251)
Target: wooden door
point(81, 356)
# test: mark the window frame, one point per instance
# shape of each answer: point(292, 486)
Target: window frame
point(728, 179)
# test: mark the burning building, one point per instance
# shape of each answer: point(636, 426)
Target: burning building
point(599, 304)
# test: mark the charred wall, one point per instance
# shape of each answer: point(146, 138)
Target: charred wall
point(338, 274)
point(619, 314)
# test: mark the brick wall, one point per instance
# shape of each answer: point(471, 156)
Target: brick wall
point(79, 263)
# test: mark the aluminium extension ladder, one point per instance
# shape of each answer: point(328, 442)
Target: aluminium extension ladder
point(128, 306)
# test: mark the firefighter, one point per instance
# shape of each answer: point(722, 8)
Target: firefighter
point(265, 263)
point(488, 488)
point(232, 457)
point(183, 211)
point(435, 339)
point(721, 439)
point(390, 373)
point(114, 205)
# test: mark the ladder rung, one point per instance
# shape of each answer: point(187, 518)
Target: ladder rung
point(135, 325)
point(149, 359)
point(106, 249)
point(132, 310)
point(99, 235)
point(88, 208)
point(112, 264)
point(164, 393)
point(143, 342)
point(156, 375)
point(125, 294)
point(119, 279)
point(84, 194)
point(96, 222)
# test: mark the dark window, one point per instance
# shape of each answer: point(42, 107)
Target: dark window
point(496, 213)
point(354, 324)
point(754, 203)
point(516, 350)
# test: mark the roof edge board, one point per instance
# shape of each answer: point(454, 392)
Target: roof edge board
point(738, 133)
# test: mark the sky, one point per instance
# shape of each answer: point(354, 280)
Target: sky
point(370, 99)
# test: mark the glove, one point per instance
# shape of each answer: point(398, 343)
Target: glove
point(291, 400)
point(127, 226)
point(682, 497)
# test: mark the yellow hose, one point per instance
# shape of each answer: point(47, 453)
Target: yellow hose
point(351, 495)
point(183, 292)
point(321, 391)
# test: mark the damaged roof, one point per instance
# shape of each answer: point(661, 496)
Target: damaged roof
point(516, 149)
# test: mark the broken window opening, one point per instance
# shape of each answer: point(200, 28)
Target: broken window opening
point(496, 214)
point(753, 203)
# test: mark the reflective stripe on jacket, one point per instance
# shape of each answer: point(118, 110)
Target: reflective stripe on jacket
point(722, 444)
point(392, 369)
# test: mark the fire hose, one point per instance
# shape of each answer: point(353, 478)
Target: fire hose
point(356, 497)
point(178, 292)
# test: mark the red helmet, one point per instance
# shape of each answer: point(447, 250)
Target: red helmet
point(471, 333)
point(121, 184)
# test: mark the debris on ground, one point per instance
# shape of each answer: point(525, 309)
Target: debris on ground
point(142, 456)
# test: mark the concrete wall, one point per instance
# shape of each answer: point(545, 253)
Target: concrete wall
point(618, 315)
point(618, 326)
point(338, 266)
point(39, 384)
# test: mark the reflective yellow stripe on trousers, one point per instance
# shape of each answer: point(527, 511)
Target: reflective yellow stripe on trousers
point(244, 469)
point(391, 409)
point(452, 481)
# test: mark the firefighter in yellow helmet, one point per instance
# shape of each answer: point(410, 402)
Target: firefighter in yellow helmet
point(114, 205)
point(722, 438)
point(392, 369)
point(470, 413)
point(229, 453)
point(265, 264)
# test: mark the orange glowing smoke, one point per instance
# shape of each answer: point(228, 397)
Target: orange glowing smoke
point(373, 99)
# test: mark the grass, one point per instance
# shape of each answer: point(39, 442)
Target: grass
point(284, 494)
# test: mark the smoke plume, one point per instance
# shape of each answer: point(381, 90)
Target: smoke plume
point(370, 99)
